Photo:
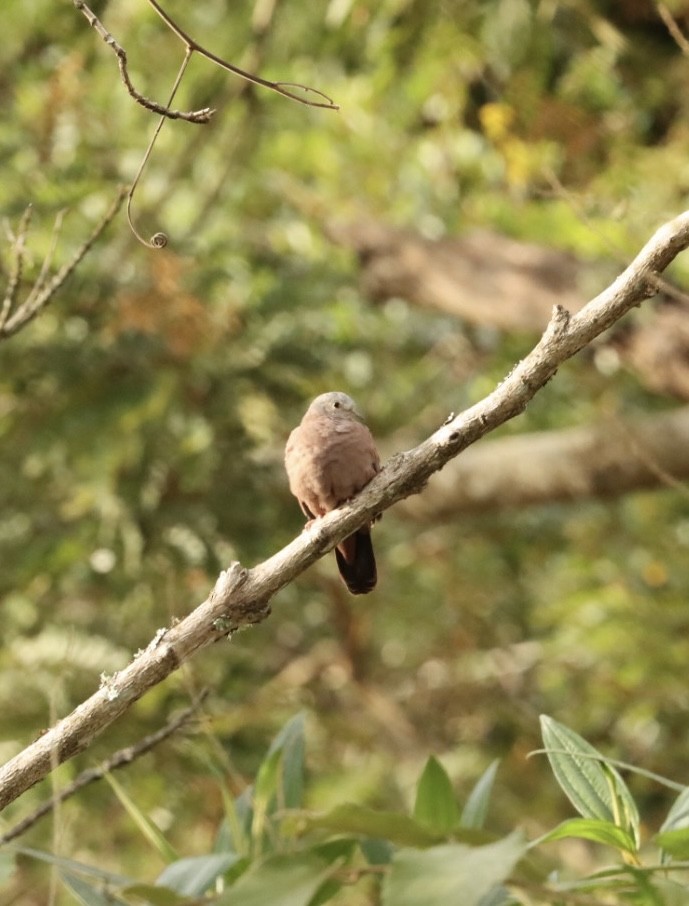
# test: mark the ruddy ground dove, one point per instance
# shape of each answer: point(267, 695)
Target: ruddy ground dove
point(329, 458)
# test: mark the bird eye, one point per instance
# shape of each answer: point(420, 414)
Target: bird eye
point(337, 404)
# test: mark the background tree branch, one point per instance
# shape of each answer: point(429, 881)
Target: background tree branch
point(606, 459)
point(489, 280)
point(241, 597)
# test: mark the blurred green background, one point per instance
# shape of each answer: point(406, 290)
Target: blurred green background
point(144, 414)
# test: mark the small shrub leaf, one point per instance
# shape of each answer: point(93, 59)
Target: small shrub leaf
point(451, 873)
point(594, 788)
point(598, 831)
point(435, 805)
point(476, 807)
point(194, 875)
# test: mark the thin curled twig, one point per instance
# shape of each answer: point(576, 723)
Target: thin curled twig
point(158, 240)
point(117, 760)
point(14, 317)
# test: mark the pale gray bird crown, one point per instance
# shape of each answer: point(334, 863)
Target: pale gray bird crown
point(337, 405)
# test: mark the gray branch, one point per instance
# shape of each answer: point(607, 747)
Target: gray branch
point(241, 596)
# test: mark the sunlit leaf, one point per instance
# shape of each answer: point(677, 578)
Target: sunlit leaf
point(594, 829)
point(674, 842)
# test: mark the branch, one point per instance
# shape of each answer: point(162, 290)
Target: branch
point(607, 459)
point(43, 290)
point(486, 279)
point(279, 87)
point(241, 596)
point(119, 759)
point(674, 29)
point(206, 113)
point(193, 116)
point(482, 277)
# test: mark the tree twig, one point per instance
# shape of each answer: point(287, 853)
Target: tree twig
point(119, 759)
point(158, 240)
point(241, 596)
point(17, 267)
point(279, 87)
point(206, 113)
point(193, 116)
point(44, 290)
point(674, 29)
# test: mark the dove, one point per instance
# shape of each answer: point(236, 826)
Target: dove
point(330, 456)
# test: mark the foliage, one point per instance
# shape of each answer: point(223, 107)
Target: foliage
point(143, 416)
point(270, 849)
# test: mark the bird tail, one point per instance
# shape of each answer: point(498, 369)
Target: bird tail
point(356, 562)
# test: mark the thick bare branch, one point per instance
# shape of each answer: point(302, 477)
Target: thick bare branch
point(606, 459)
point(241, 597)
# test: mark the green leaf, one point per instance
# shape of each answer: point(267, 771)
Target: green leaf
point(290, 741)
point(86, 893)
point(604, 832)
point(341, 850)
point(194, 875)
point(280, 778)
point(292, 879)
point(594, 787)
point(265, 790)
point(476, 808)
point(155, 896)
point(72, 867)
point(149, 830)
point(674, 842)
point(7, 866)
point(377, 851)
point(678, 816)
point(435, 805)
point(673, 837)
point(450, 874)
point(395, 827)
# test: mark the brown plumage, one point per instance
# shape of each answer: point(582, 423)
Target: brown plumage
point(329, 458)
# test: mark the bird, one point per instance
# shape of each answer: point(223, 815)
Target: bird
point(329, 457)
